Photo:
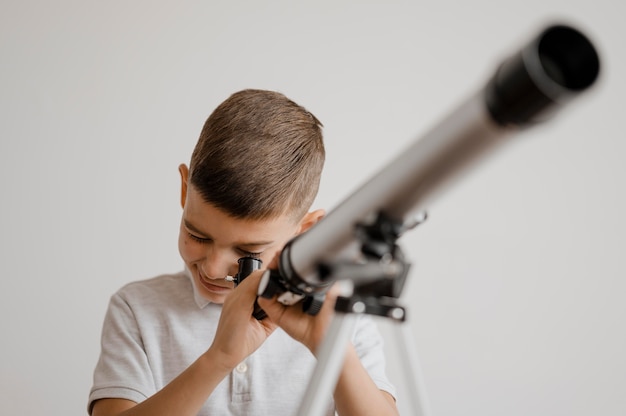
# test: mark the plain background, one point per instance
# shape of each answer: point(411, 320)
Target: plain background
point(516, 296)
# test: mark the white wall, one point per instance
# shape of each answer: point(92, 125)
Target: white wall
point(516, 298)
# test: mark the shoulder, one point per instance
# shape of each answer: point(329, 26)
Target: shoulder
point(159, 290)
point(165, 283)
point(366, 335)
point(162, 301)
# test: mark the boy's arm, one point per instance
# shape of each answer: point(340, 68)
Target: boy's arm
point(185, 395)
point(238, 335)
point(356, 393)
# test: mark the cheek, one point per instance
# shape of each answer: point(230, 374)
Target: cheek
point(270, 259)
point(189, 250)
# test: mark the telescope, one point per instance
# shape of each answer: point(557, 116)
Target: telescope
point(357, 240)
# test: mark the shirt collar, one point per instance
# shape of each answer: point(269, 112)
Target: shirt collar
point(197, 297)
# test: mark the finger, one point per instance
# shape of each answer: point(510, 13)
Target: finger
point(272, 308)
point(246, 291)
point(251, 281)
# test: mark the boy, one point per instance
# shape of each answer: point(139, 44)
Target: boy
point(187, 344)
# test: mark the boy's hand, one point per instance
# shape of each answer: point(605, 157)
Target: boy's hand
point(307, 329)
point(238, 333)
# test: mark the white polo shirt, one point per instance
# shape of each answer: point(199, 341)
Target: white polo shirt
point(154, 329)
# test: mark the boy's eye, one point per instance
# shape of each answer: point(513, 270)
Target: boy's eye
point(245, 253)
point(198, 239)
point(252, 254)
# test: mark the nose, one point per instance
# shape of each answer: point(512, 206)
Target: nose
point(218, 264)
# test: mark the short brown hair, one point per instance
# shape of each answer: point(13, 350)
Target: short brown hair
point(259, 155)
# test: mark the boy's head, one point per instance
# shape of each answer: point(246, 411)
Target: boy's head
point(254, 174)
point(259, 155)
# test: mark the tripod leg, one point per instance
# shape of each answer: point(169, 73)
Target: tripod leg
point(330, 360)
point(412, 369)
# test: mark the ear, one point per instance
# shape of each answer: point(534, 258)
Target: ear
point(184, 175)
point(310, 219)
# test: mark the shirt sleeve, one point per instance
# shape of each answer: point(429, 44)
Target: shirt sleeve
point(122, 370)
point(369, 346)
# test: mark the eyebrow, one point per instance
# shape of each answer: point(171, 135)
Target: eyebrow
point(193, 228)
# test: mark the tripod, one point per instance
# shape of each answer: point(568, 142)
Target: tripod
point(378, 283)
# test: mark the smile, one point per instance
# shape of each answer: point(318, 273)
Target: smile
point(206, 283)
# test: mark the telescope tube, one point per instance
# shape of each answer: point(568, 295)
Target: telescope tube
point(526, 89)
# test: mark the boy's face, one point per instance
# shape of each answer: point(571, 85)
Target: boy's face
point(210, 242)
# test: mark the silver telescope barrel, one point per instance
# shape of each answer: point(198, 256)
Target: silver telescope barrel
point(527, 88)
